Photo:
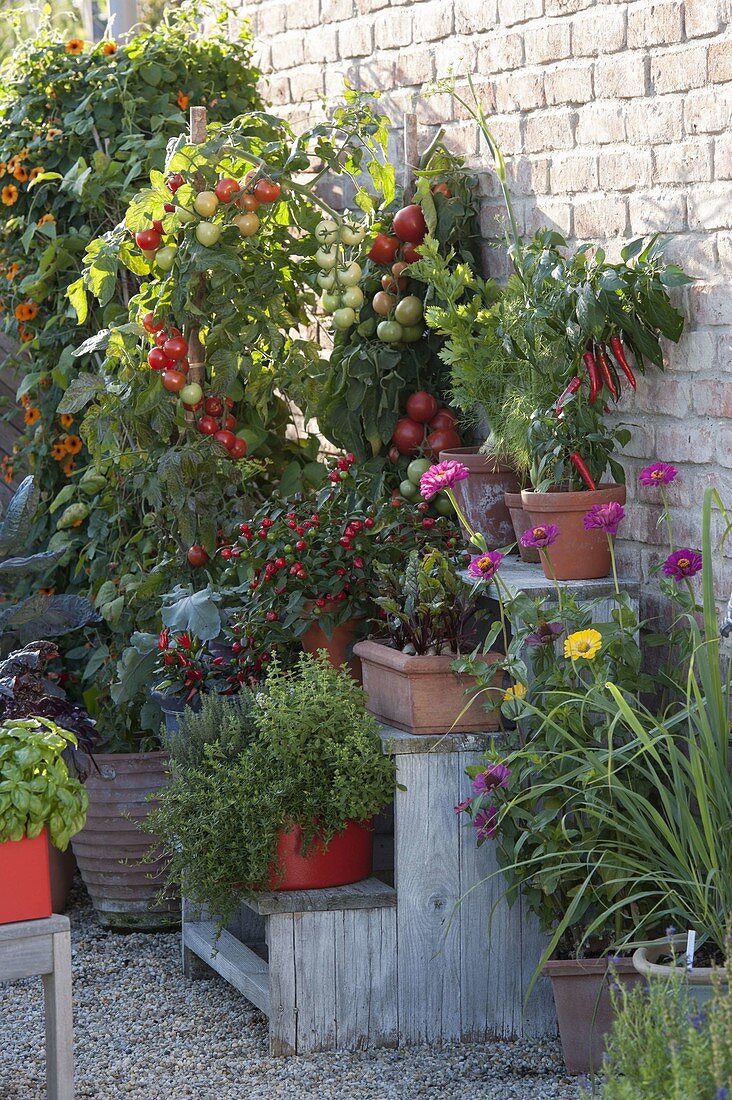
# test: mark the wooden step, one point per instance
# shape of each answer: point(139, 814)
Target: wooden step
point(369, 894)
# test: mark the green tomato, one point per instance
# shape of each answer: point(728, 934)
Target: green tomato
point(331, 302)
point(389, 332)
point(349, 276)
point(327, 257)
point(326, 232)
point(191, 394)
point(352, 234)
point(185, 216)
point(353, 297)
point(409, 310)
point(326, 279)
point(408, 489)
point(207, 233)
point(412, 333)
point(416, 468)
point(344, 318)
point(443, 505)
point(165, 257)
point(205, 203)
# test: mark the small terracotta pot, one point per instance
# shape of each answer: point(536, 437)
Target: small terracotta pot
point(339, 646)
point(481, 496)
point(521, 523)
point(421, 694)
point(25, 878)
point(581, 990)
point(577, 555)
point(347, 858)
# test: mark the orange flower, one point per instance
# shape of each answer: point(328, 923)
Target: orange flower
point(32, 414)
point(183, 101)
point(25, 334)
point(72, 444)
point(75, 46)
point(36, 172)
point(109, 47)
point(21, 174)
point(13, 164)
point(47, 219)
point(8, 474)
point(11, 272)
point(66, 420)
point(9, 195)
point(58, 452)
point(68, 468)
point(26, 311)
point(47, 591)
point(54, 132)
point(3, 168)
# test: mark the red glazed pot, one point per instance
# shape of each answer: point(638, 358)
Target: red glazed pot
point(577, 555)
point(25, 892)
point(347, 858)
point(521, 523)
point(482, 495)
point(339, 646)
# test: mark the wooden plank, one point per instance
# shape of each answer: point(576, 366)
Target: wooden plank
point(369, 894)
point(428, 886)
point(59, 1021)
point(366, 979)
point(397, 742)
point(315, 981)
point(235, 962)
point(27, 929)
point(540, 1016)
point(282, 984)
point(24, 958)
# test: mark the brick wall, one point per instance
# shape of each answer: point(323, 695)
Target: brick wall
point(617, 120)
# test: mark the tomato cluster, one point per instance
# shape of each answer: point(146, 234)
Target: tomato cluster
point(425, 428)
point(340, 273)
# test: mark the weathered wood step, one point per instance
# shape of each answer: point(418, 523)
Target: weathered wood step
point(238, 964)
point(369, 894)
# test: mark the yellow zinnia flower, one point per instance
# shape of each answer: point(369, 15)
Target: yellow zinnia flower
point(515, 691)
point(74, 46)
point(9, 195)
point(583, 644)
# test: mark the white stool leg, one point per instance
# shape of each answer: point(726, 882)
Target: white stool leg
point(59, 1022)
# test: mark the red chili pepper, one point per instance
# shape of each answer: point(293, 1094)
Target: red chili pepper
point(573, 386)
point(594, 375)
point(605, 372)
point(619, 352)
point(581, 467)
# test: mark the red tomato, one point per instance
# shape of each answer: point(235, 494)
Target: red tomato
point(148, 240)
point(157, 359)
point(226, 437)
point(226, 188)
point(214, 406)
point(441, 189)
point(230, 402)
point(176, 347)
point(197, 556)
point(158, 227)
point(168, 207)
point(393, 455)
point(173, 380)
point(383, 303)
point(421, 406)
point(175, 181)
point(442, 440)
point(267, 191)
point(391, 285)
point(247, 202)
point(410, 252)
point(230, 423)
point(408, 436)
point(207, 425)
point(238, 448)
point(409, 224)
point(151, 323)
point(161, 337)
point(444, 419)
point(384, 249)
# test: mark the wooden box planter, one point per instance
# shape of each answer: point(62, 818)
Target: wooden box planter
point(421, 695)
point(25, 879)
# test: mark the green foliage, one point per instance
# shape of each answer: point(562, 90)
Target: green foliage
point(223, 721)
point(36, 789)
point(664, 1046)
point(315, 761)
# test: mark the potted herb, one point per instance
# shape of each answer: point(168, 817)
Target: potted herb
point(39, 801)
point(286, 802)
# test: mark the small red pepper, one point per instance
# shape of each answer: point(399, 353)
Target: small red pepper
point(572, 388)
point(607, 378)
point(581, 467)
point(594, 376)
point(619, 352)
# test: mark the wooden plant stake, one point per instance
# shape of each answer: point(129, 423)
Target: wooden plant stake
point(410, 153)
point(196, 355)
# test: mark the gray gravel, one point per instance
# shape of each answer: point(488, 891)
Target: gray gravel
point(144, 1032)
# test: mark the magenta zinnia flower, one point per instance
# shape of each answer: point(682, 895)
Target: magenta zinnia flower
point(462, 806)
point(539, 537)
point(660, 473)
point(485, 823)
point(681, 564)
point(495, 775)
point(604, 517)
point(485, 566)
point(545, 634)
point(442, 476)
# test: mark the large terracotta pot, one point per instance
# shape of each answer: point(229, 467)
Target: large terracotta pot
point(521, 523)
point(25, 881)
point(577, 555)
point(421, 694)
point(482, 495)
point(581, 990)
point(110, 847)
point(347, 858)
point(339, 646)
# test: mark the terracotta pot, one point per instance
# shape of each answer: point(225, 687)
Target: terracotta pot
point(699, 980)
point(577, 555)
point(25, 878)
point(421, 694)
point(110, 847)
point(581, 990)
point(482, 495)
point(347, 858)
point(521, 523)
point(339, 646)
point(62, 866)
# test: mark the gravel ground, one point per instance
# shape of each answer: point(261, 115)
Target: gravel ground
point(144, 1032)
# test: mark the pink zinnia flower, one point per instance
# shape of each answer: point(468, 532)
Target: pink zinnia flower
point(485, 566)
point(539, 537)
point(660, 473)
point(681, 564)
point(442, 476)
point(604, 517)
point(495, 775)
point(485, 823)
